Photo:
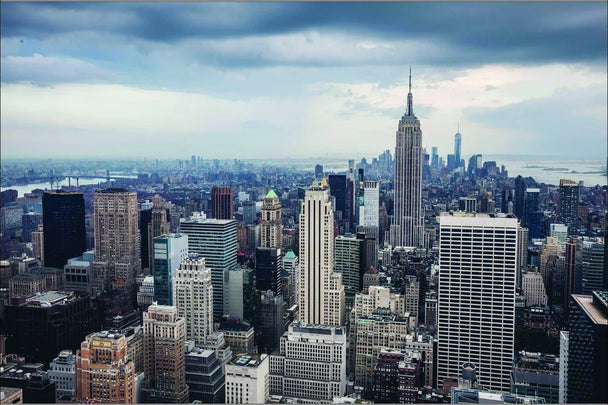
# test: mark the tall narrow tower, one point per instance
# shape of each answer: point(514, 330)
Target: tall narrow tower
point(408, 219)
point(320, 289)
point(457, 147)
point(271, 223)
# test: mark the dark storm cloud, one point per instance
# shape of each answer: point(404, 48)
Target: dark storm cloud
point(465, 33)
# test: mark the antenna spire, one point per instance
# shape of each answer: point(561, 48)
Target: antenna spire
point(410, 107)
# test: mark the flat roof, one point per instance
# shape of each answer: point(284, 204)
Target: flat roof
point(592, 311)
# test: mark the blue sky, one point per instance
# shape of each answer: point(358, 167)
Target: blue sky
point(259, 80)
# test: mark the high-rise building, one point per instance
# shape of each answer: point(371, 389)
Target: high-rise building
point(269, 270)
point(116, 235)
point(62, 371)
point(520, 198)
point(563, 367)
point(271, 224)
point(338, 189)
point(536, 374)
point(247, 380)
point(204, 375)
point(64, 229)
point(249, 214)
point(589, 265)
point(434, 158)
point(467, 204)
point(588, 348)
point(320, 289)
point(349, 261)
point(534, 289)
point(271, 321)
point(216, 241)
point(222, 203)
point(476, 321)
point(104, 372)
point(371, 198)
point(158, 225)
point(193, 297)
point(318, 171)
point(457, 148)
point(533, 214)
point(559, 231)
point(311, 363)
point(408, 219)
point(164, 356)
point(168, 251)
point(568, 204)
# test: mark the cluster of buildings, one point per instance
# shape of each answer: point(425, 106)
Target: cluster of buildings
point(363, 286)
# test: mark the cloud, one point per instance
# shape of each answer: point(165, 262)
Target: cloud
point(40, 69)
point(463, 34)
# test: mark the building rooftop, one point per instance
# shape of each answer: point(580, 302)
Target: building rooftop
point(247, 360)
point(271, 194)
point(593, 312)
point(290, 255)
point(49, 298)
point(235, 326)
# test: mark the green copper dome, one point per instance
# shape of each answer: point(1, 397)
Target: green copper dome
point(290, 255)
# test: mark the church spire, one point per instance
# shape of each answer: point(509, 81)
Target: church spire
point(410, 107)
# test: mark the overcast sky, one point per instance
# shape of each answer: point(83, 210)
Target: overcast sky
point(262, 80)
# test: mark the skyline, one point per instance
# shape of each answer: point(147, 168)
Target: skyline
point(299, 79)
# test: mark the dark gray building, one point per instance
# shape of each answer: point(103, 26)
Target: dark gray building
point(204, 375)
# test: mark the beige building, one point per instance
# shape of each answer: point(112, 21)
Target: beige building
point(159, 225)
point(320, 290)
point(534, 289)
point(115, 223)
point(247, 379)
point(193, 297)
point(104, 372)
point(271, 224)
point(26, 284)
point(164, 356)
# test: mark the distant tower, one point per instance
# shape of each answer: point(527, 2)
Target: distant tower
point(222, 202)
point(271, 222)
point(159, 225)
point(168, 252)
point(520, 198)
point(318, 171)
point(164, 356)
point(64, 227)
point(568, 204)
point(320, 289)
point(457, 147)
point(408, 219)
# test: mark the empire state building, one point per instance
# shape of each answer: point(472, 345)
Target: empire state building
point(407, 228)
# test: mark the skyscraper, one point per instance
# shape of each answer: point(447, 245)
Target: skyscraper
point(589, 265)
point(371, 200)
point(215, 240)
point(568, 204)
point(533, 214)
point(408, 219)
point(434, 157)
point(164, 356)
point(158, 225)
point(476, 321)
point(320, 289)
point(104, 372)
point(520, 198)
point(222, 202)
point(116, 234)
point(168, 250)
point(271, 223)
point(64, 230)
point(350, 262)
point(193, 297)
point(457, 148)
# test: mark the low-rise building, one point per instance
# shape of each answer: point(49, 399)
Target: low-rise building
point(239, 336)
point(536, 374)
point(204, 375)
point(247, 379)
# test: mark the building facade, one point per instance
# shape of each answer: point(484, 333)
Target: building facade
point(168, 252)
point(222, 203)
point(271, 223)
point(247, 379)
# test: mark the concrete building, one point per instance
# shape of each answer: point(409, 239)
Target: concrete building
point(476, 305)
point(559, 231)
point(563, 367)
point(168, 252)
point(589, 265)
point(193, 297)
point(310, 364)
point(26, 284)
point(371, 202)
point(104, 372)
point(320, 289)
point(9, 395)
point(235, 281)
point(145, 294)
point(534, 289)
point(62, 371)
point(164, 356)
point(536, 374)
point(215, 240)
point(407, 228)
point(115, 223)
point(271, 223)
point(157, 225)
point(135, 346)
point(204, 375)
point(78, 273)
point(35, 384)
point(239, 336)
point(588, 348)
point(247, 379)
point(378, 330)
